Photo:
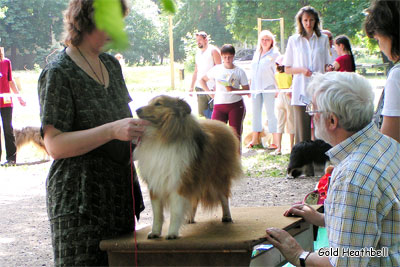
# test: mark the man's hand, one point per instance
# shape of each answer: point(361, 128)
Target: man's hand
point(286, 244)
point(307, 212)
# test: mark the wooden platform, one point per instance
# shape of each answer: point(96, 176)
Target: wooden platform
point(209, 242)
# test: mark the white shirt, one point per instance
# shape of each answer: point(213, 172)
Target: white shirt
point(332, 55)
point(204, 62)
point(312, 54)
point(391, 104)
point(263, 70)
point(224, 77)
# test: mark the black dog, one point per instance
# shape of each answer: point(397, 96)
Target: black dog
point(305, 153)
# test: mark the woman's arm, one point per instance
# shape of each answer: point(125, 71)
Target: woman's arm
point(299, 70)
point(70, 144)
point(14, 88)
point(391, 127)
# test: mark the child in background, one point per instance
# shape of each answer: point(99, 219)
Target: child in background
point(345, 60)
point(283, 107)
point(229, 78)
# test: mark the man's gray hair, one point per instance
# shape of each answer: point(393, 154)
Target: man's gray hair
point(348, 95)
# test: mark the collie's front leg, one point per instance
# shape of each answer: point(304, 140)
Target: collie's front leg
point(179, 208)
point(158, 217)
point(226, 212)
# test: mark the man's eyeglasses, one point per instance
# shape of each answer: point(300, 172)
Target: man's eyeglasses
point(310, 109)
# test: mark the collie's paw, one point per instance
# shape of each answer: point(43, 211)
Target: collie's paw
point(171, 237)
point(190, 221)
point(152, 236)
point(227, 219)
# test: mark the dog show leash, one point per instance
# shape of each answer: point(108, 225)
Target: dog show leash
point(133, 199)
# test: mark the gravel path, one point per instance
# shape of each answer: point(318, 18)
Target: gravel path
point(24, 228)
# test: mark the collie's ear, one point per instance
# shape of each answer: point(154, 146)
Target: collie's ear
point(183, 107)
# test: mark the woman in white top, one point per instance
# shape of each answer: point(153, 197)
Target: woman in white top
point(382, 23)
point(263, 78)
point(306, 52)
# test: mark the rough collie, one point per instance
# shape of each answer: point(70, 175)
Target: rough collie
point(28, 135)
point(185, 162)
point(308, 152)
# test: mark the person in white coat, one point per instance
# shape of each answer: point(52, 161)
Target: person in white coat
point(263, 78)
point(307, 52)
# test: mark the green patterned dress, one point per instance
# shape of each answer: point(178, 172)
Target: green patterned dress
point(89, 197)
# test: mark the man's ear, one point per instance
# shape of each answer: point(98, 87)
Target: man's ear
point(333, 121)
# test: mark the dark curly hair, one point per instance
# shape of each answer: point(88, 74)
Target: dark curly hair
point(78, 20)
point(383, 19)
point(311, 11)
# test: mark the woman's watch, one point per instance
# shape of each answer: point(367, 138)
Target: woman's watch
point(303, 257)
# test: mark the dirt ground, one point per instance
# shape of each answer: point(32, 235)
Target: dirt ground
point(24, 228)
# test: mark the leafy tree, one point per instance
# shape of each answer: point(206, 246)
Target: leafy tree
point(242, 19)
point(27, 26)
point(204, 15)
point(148, 34)
point(339, 16)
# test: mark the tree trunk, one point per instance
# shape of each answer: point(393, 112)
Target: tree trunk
point(13, 57)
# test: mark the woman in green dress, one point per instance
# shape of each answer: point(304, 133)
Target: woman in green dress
point(88, 129)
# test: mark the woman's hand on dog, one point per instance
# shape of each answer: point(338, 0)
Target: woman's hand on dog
point(307, 212)
point(129, 129)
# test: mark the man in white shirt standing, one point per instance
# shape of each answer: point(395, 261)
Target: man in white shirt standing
point(207, 56)
point(332, 53)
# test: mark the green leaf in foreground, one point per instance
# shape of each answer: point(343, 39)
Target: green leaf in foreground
point(169, 6)
point(108, 17)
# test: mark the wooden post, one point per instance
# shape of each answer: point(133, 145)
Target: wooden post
point(258, 26)
point(282, 35)
point(171, 53)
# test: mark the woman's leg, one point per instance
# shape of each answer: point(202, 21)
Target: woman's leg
point(256, 105)
point(76, 240)
point(11, 149)
point(269, 104)
point(302, 123)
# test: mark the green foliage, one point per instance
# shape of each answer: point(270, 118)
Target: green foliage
point(204, 15)
point(27, 26)
point(169, 6)
point(190, 50)
point(108, 17)
point(340, 17)
point(3, 11)
point(148, 34)
point(242, 20)
point(344, 16)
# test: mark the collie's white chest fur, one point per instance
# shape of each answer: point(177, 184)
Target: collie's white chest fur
point(162, 165)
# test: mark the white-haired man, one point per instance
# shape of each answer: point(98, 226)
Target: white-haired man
point(362, 209)
point(207, 56)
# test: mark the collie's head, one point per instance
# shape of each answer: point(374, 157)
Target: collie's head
point(169, 115)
